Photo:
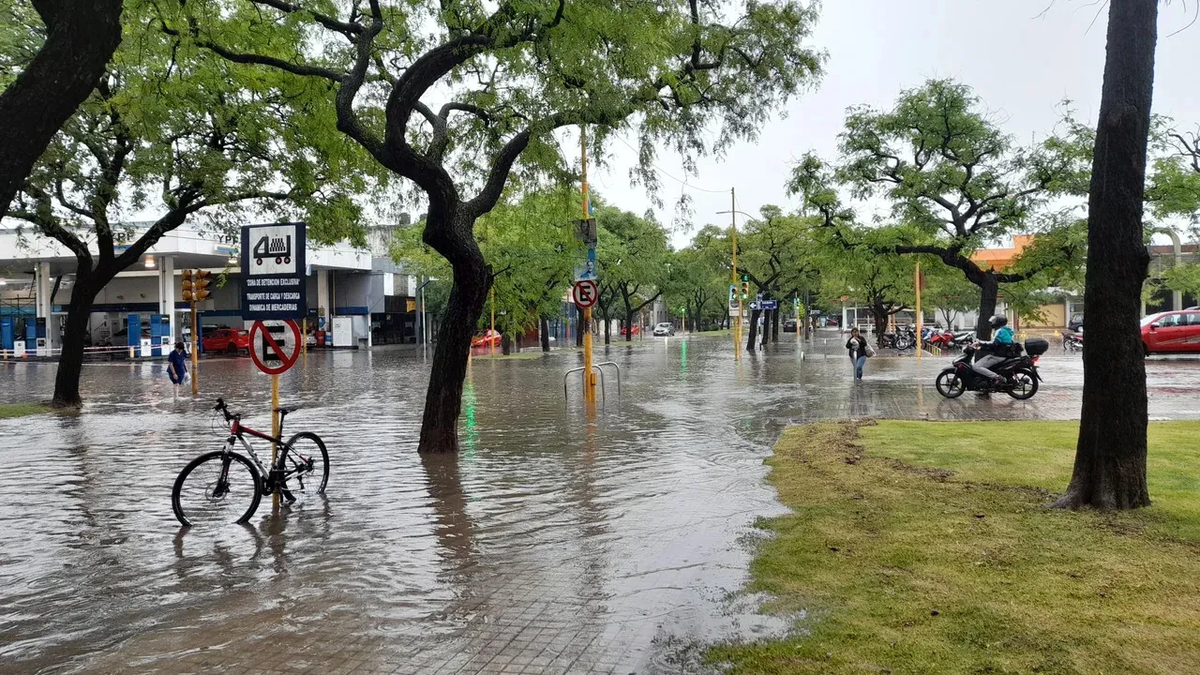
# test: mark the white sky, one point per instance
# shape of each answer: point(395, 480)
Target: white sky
point(1022, 65)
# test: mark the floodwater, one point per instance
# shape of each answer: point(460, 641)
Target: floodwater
point(550, 544)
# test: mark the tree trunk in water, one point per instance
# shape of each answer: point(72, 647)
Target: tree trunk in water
point(70, 361)
point(766, 327)
point(472, 279)
point(578, 329)
point(775, 326)
point(80, 39)
point(989, 289)
point(545, 328)
point(753, 329)
point(505, 344)
point(628, 323)
point(1110, 458)
point(607, 331)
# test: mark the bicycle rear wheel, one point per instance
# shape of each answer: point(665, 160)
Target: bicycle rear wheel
point(307, 462)
point(215, 489)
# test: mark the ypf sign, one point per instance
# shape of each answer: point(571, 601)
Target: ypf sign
point(273, 270)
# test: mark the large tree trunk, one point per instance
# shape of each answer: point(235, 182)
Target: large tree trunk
point(545, 330)
point(70, 361)
point(505, 344)
point(81, 37)
point(628, 322)
point(472, 279)
point(754, 313)
point(1110, 459)
point(989, 290)
point(775, 325)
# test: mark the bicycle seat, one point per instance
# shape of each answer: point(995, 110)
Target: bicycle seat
point(287, 410)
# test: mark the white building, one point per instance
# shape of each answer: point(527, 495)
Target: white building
point(362, 290)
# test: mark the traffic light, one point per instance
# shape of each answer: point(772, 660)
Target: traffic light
point(200, 290)
point(745, 290)
point(187, 285)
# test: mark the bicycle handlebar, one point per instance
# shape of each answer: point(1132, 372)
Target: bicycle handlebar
point(223, 409)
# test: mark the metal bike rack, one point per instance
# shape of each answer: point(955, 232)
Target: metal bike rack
point(580, 369)
point(614, 365)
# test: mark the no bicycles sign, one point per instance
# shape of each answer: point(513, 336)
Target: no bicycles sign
point(274, 348)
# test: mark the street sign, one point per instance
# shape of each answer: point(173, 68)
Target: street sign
point(768, 304)
point(273, 271)
point(735, 311)
point(754, 304)
point(274, 348)
point(585, 293)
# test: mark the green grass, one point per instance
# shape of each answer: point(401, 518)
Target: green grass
point(8, 410)
point(905, 568)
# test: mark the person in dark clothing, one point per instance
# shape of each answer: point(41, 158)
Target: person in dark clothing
point(177, 364)
point(857, 345)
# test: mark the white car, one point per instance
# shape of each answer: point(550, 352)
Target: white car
point(663, 330)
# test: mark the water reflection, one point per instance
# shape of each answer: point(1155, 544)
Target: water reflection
point(602, 540)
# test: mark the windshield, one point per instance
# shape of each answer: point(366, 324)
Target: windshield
point(664, 325)
point(1152, 318)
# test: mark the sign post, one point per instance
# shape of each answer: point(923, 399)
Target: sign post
point(586, 280)
point(274, 266)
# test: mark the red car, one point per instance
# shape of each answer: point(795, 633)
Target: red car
point(1172, 332)
point(486, 338)
point(228, 340)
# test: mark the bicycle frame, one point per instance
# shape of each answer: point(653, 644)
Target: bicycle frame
point(276, 476)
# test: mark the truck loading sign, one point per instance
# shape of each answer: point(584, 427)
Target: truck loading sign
point(273, 271)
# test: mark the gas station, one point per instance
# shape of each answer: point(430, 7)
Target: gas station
point(140, 312)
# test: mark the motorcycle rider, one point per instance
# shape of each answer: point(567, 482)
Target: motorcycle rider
point(998, 349)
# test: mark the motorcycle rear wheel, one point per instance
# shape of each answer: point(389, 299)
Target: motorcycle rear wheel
point(1025, 384)
point(949, 384)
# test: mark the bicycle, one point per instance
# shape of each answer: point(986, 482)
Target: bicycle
point(223, 481)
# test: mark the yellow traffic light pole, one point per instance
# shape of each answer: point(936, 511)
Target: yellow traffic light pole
point(195, 289)
point(737, 323)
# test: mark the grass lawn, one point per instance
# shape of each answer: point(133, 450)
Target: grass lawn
point(8, 410)
point(925, 547)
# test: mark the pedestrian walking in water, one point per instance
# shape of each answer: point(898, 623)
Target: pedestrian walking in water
point(177, 364)
point(859, 351)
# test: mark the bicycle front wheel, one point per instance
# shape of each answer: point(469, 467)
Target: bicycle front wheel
point(305, 464)
point(215, 489)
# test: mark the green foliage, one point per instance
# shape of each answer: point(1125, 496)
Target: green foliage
point(632, 255)
point(700, 276)
point(1184, 278)
point(178, 131)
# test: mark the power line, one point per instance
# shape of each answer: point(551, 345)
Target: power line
point(664, 172)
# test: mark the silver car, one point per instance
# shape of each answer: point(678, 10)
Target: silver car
point(663, 330)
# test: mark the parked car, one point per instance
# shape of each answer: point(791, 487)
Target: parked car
point(1075, 322)
point(121, 338)
point(229, 340)
point(789, 326)
point(1171, 332)
point(831, 321)
point(663, 329)
point(486, 338)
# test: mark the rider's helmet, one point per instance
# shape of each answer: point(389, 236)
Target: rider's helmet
point(998, 321)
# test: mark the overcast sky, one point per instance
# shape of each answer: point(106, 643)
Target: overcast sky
point(1021, 63)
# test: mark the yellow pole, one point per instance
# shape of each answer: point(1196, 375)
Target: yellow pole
point(275, 433)
point(195, 356)
point(589, 378)
point(920, 346)
point(491, 342)
point(737, 322)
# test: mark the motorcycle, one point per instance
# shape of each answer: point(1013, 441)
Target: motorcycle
point(904, 338)
point(1020, 374)
point(944, 340)
point(1073, 342)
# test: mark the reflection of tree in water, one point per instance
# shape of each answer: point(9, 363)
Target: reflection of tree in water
point(454, 529)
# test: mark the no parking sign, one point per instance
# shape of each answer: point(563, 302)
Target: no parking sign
point(275, 348)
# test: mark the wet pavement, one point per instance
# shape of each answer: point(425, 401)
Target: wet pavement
point(550, 545)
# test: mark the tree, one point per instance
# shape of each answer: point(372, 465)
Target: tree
point(1174, 188)
point(511, 73)
point(172, 129)
point(771, 255)
point(700, 276)
point(951, 175)
point(76, 41)
point(632, 255)
point(1184, 278)
point(883, 283)
point(948, 293)
point(1110, 458)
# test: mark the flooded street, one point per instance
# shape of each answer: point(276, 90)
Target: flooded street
point(550, 545)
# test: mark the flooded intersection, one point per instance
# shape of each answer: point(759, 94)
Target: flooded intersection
point(550, 545)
